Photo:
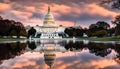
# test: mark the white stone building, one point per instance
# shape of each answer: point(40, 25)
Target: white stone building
point(49, 29)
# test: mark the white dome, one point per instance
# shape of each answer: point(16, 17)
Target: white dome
point(49, 19)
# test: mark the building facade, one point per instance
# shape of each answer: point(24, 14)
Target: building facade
point(49, 29)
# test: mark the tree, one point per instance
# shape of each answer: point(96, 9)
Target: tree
point(1, 18)
point(13, 33)
point(11, 28)
point(92, 29)
point(114, 3)
point(79, 32)
point(111, 31)
point(116, 21)
point(74, 31)
point(32, 31)
point(100, 33)
point(92, 26)
point(102, 24)
point(20, 29)
point(5, 27)
point(23, 32)
point(69, 31)
point(99, 29)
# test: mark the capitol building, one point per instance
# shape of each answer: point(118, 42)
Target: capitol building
point(49, 29)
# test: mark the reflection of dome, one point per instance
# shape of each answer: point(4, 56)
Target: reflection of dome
point(49, 58)
point(49, 19)
point(49, 55)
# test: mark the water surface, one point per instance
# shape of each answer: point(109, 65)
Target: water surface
point(59, 54)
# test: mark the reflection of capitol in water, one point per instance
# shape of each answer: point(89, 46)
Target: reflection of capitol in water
point(50, 47)
point(49, 50)
point(50, 53)
point(43, 45)
point(47, 54)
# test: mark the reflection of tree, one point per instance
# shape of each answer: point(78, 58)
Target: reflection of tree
point(10, 50)
point(74, 45)
point(17, 47)
point(99, 49)
point(117, 50)
point(32, 45)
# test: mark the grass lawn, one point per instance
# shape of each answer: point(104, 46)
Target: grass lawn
point(11, 39)
point(115, 38)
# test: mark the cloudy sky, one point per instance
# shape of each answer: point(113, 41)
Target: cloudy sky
point(66, 12)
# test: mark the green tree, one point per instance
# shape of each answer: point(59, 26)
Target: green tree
point(111, 31)
point(100, 33)
point(103, 24)
point(99, 29)
point(74, 31)
point(20, 29)
point(92, 29)
point(13, 33)
point(92, 26)
point(10, 27)
point(23, 33)
point(32, 31)
point(116, 21)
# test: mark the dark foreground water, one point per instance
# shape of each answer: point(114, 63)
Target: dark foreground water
point(59, 54)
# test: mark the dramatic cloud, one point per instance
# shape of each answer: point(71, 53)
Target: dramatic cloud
point(65, 23)
point(24, 14)
point(66, 12)
point(4, 7)
point(98, 10)
point(30, 9)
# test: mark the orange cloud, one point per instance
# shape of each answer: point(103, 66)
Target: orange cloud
point(59, 10)
point(33, 22)
point(30, 8)
point(96, 9)
point(4, 7)
point(22, 14)
point(65, 9)
point(65, 23)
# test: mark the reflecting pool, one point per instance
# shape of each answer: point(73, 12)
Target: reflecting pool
point(59, 54)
